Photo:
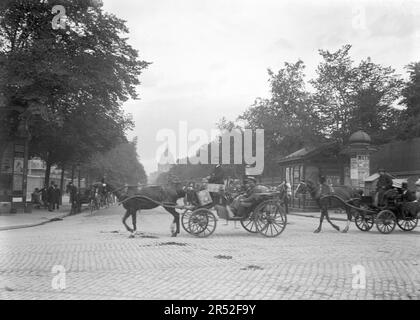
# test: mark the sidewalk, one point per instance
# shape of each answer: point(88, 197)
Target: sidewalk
point(36, 218)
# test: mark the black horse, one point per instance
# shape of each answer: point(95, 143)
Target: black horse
point(343, 195)
point(150, 197)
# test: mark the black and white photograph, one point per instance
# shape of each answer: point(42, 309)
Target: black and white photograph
point(226, 151)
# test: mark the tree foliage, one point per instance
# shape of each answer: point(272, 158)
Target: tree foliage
point(287, 116)
point(349, 97)
point(69, 83)
point(119, 165)
point(410, 118)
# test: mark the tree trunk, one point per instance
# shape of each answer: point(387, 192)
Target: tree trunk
point(78, 180)
point(47, 173)
point(72, 174)
point(62, 185)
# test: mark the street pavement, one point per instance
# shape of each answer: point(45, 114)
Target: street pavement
point(37, 217)
point(89, 256)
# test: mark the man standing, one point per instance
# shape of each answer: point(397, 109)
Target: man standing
point(218, 175)
point(44, 196)
point(72, 190)
point(57, 196)
point(382, 186)
point(50, 196)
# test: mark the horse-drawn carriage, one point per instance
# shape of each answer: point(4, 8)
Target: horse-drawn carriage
point(395, 211)
point(266, 216)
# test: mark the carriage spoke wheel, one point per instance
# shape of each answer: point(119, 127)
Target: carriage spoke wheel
point(363, 222)
point(385, 221)
point(202, 223)
point(249, 224)
point(270, 218)
point(185, 220)
point(408, 223)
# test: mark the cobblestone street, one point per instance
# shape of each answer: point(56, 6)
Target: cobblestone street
point(101, 262)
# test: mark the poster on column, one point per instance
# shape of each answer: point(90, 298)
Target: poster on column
point(17, 183)
point(18, 166)
point(363, 169)
point(354, 174)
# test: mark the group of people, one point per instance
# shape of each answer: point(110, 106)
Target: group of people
point(50, 197)
point(47, 197)
point(385, 183)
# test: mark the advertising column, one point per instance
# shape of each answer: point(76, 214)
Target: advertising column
point(18, 167)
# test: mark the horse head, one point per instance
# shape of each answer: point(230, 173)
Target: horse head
point(117, 191)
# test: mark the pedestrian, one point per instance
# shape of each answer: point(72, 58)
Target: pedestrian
point(56, 198)
point(72, 190)
point(50, 196)
point(35, 198)
point(44, 196)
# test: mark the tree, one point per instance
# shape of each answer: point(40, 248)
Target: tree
point(120, 165)
point(410, 117)
point(350, 97)
point(287, 116)
point(76, 78)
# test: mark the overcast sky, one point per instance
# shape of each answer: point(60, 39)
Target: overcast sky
point(210, 57)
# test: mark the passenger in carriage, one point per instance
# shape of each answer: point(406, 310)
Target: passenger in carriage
point(406, 194)
point(382, 186)
point(244, 203)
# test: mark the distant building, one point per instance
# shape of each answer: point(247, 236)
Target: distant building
point(341, 165)
point(311, 162)
point(153, 177)
point(36, 175)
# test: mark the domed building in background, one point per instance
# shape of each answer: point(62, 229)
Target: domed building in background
point(360, 137)
point(347, 164)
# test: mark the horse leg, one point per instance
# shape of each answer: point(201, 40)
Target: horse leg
point(330, 222)
point(124, 219)
point(321, 218)
point(134, 221)
point(348, 221)
point(175, 222)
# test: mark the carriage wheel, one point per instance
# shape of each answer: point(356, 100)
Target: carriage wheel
point(249, 224)
point(202, 223)
point(185, 219)
point(363, 222)
point(386, 221)
point(408, 223)
point(270, 218)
